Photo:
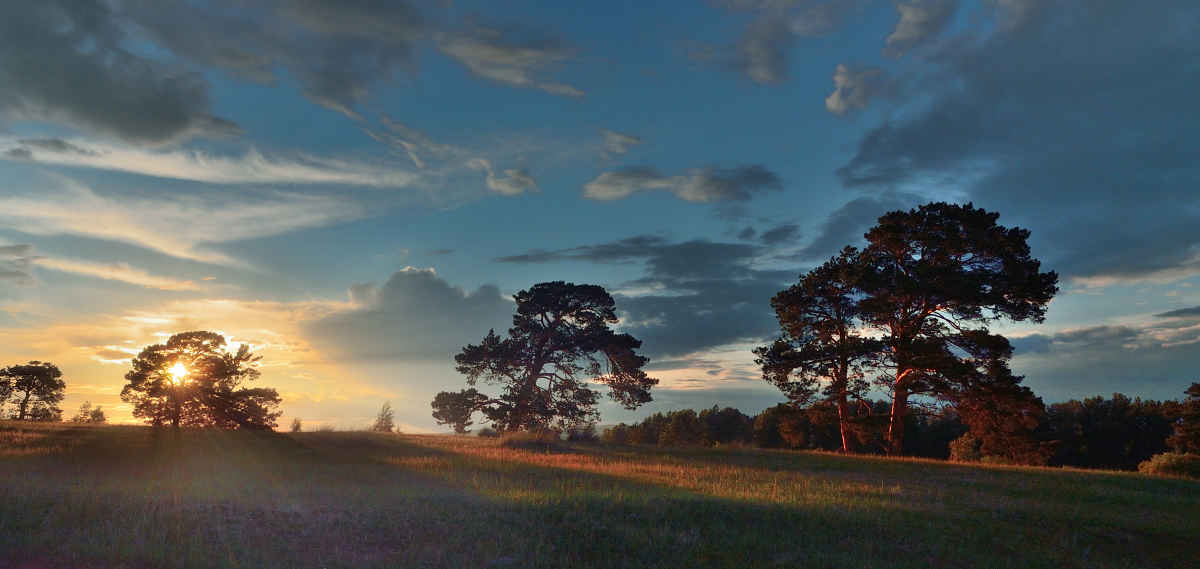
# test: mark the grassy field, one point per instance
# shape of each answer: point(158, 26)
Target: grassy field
point(106, 497)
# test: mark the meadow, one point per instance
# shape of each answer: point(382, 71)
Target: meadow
point(125, 496)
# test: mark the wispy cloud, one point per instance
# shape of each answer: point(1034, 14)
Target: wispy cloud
point(114, 272)
point(180, 226)
point(251, 167)
point(702, 185)
point(512, 57)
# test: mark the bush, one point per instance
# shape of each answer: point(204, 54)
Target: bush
point(583, 434)
point(487, 433)
point(966, 449)
point(1172, 464)
point(617, 434)
point(539, 441)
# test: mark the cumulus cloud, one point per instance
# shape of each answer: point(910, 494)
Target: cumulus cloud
point(513, 182)
point(1035, 113)
point(920, 21)
point(510, 56)
point(853, 89)
point(693, 295)
point(618, 143)
point(110, 90)
point(415, 315)
point(701, 185)
point(251, 167)
point(121, 272)
point(184, 226)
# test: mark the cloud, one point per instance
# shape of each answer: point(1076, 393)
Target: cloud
point(618, 143)
point(15, 261)
point(847, 224)
point(252, 167)
point(1036, 113)
point(115, 272)
point(693, 296)
point(510, 56)
point(183, 226)
point(414, 142)
point(853, 89)
point(97, 84)
point(920, 21)
point(700, 185)
point(1192, 312)
point(780, 234)
point(336, 50)
point(761, 52)
point(513, 182)
point(415, 315)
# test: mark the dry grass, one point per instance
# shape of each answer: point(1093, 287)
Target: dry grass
point(123, 497)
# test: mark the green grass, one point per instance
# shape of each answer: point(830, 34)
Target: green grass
point(106, 497)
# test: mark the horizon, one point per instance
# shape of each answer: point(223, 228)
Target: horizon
point(358, 194)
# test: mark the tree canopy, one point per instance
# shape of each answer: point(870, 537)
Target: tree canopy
point(559, 344)
point(191, 380)
point(36, 388)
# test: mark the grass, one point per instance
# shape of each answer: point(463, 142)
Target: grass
point(109, 497)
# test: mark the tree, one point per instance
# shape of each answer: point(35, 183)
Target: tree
point(36, 389)
point(933, 278)
point(295, 428)
point(385, 420)
point(89, 414)
point(191, 380)
point(819, 345)
point(559, 343)
point(1186, 438)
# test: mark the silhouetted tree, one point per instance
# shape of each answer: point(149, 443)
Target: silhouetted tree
point(934, 277)
point(455, 408)
point(385, 420)
point(728, 425)
point(209, 394)
point(683, 428)
point(296, 426)
point(89, 414)
point(36, 389)
point(1118, 432)
point(819, 348)
point(1186, 438)
point(559, 342)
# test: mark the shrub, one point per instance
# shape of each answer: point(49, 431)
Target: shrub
point(583, 434)
point(1172, 464)
point(617, 434)
point(966, 449)
point(539, 441)
point(487, 433)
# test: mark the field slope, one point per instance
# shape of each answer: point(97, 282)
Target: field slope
point(104, 497)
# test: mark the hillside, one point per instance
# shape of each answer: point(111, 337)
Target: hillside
point(114, 496)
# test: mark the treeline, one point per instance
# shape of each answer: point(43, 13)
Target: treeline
point(1111, 433)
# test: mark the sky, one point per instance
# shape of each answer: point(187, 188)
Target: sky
point(356, 188)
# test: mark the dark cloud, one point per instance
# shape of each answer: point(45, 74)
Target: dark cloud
point(920, 21)
point(1153, 360)
point(55, 145)
point(1192, 312)
point(336, 49)
point(846, 225)
point(1066, 119)
point(19, 153)
point(747, 233)
point(780, 234)
point(67, 62)
point(706, 294)
point(15, 264)
point(704, 185)
point(415, 315)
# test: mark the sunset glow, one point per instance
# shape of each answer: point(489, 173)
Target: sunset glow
point(178, 372)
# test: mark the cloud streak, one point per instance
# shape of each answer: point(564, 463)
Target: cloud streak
point(699, 185)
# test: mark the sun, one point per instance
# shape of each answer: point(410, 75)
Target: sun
point(178, 372)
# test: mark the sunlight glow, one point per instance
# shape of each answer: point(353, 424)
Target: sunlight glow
point(178, 372)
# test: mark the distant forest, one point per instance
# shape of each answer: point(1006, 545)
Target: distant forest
point(1112, 433)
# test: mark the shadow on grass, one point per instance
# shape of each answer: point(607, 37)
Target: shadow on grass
point(125, 498)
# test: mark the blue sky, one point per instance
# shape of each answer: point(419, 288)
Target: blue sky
point(356, 188)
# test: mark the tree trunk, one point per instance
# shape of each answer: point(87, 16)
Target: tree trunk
point(843, 423)
point(896, 425)
point(24, 406)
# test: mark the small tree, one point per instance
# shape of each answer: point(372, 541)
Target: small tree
point(820, 350)
point(1186, 438)
point(193, 381)
point(385, 420)
point(36, 389)
point(89, 414)
point(559, 343)
point(295, 428)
